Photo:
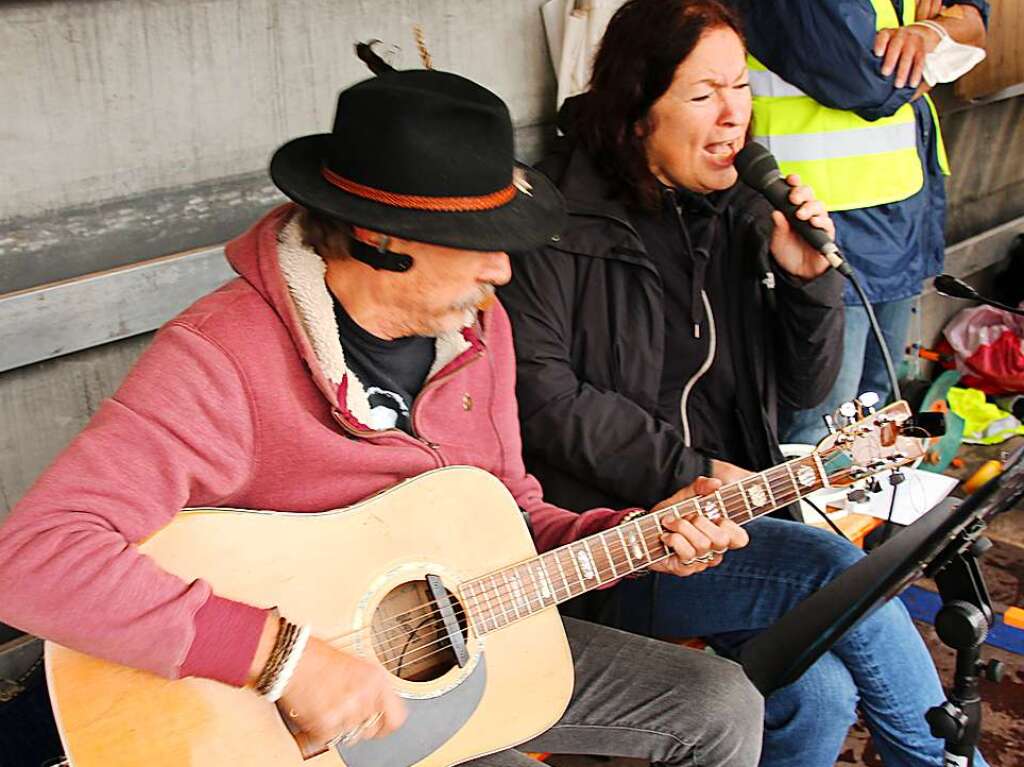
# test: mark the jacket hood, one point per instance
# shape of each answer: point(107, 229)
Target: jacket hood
point(289, 275)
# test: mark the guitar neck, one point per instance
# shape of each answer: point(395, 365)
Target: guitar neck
point(505, 596)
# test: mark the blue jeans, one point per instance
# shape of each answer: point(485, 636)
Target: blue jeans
point(862, 368)
point(881, 665)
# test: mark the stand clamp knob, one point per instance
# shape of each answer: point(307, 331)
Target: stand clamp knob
point(946, 721)
point(993, 671)
point(980, 547)
point(961, 625)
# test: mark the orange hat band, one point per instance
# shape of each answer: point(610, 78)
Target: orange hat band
point(422, 202)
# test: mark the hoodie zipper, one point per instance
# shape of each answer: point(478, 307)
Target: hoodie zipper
point(712, 340)
point(704, 368)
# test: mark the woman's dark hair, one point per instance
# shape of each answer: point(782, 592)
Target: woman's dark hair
point(644, 44)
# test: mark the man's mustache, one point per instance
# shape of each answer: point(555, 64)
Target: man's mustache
point(482, 299)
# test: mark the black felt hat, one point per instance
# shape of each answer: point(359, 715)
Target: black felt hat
point(423, 155)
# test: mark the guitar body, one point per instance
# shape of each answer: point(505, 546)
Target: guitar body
point(347, 573)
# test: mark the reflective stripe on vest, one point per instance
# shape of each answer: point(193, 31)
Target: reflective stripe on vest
point(850, 162)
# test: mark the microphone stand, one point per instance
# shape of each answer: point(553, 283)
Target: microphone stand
point(945, 544)
point(962, 625)
point(951, 287)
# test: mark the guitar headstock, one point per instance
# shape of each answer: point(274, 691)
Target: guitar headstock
point(877, 442)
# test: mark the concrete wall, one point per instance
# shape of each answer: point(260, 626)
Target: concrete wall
point(133, 128)
point(137, 128)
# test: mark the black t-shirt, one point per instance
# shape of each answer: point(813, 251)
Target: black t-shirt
point(689, 248)
point(391, 371)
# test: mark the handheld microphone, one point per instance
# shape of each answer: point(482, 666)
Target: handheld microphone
point(948, 285)
point(759, 170)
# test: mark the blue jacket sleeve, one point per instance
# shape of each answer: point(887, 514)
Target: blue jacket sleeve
point(825, 48)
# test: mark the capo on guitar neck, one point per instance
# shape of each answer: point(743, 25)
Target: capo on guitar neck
point(451, 623)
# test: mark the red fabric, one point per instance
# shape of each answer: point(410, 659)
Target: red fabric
point(998, 367)
point(220, 626)
point(229, 407)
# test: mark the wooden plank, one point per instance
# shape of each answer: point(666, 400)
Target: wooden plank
point(981, 251)
point(1003, 66)
point(44, 322)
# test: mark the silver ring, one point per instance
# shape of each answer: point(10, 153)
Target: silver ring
point(707, 557)
point(720, 552)
point(351, 736)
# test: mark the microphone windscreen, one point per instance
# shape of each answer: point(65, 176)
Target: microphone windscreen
point(756, 166)
point(949, 285)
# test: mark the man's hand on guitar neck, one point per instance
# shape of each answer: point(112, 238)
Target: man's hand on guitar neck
point(333, 693)
point(699, 539)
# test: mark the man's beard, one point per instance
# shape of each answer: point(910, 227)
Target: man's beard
point(481, 298)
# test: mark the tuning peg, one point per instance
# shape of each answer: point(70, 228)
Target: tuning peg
point(857, 496)
point(847, 413)
point(896, 477)
point(868, 400)
point(830, 423)
point(874, 485)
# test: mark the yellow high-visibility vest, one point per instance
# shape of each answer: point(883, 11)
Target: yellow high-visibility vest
point(850, 162)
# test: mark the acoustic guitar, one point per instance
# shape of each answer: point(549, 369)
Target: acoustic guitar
point(438, 580)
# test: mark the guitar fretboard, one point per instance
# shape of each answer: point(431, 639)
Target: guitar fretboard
point(504, 596)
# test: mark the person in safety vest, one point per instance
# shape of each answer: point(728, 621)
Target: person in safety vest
point(840, 92)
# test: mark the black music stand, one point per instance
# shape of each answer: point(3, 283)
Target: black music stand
point(945, 544)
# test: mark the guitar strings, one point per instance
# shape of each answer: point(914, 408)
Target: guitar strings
point(497, 599)
point(426, 645)
point(674, 508)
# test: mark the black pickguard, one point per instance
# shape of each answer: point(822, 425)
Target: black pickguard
point(431, 723)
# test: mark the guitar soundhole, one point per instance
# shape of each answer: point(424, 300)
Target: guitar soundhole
point(409, 636)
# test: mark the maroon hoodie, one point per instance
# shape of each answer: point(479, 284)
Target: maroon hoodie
point(244, 401)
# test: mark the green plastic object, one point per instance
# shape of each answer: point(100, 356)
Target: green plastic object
point(944, 450)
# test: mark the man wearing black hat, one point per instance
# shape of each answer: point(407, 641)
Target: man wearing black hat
point(356, 349)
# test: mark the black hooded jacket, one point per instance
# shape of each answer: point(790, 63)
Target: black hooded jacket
point(589, 327)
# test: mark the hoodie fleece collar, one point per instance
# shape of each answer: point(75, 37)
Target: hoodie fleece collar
point(290, 276)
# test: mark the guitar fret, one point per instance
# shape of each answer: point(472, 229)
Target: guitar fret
point(821, 469)
point(561, 572)
point(547, 588)
point(792, 478)
point(567, 551)
point(721, 503)
point(766, 481)
point(587, 561)
point(469, 596)
point(521, 589)
point(488, 606)
point(575, 564)
point(511, 592)
point(536, 588)
point(743, 497)
point(634, 548)
point(501, 600)
point(608, 553)
point(625, 549)
point(806, 476)
point(643, 539)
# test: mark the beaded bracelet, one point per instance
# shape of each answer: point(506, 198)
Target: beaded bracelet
point(291, 661)
point(284, 657)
